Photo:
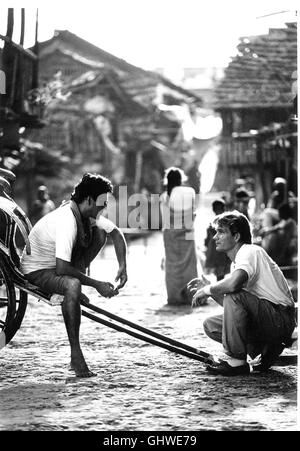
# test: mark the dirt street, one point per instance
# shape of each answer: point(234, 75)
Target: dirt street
point(138, 387)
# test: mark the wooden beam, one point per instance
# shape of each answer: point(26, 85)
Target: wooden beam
point(26, 52)
point(10, 23)
point(35, 75)
point(22, 27)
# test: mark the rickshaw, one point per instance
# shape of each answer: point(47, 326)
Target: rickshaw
point(14, 288)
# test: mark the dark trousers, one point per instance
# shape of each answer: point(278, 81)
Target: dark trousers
point(249, 323)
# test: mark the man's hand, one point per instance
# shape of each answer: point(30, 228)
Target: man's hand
point(195, 287)
point(122, 277)
point(199, 298)
point(106, 289)
point(196, 284)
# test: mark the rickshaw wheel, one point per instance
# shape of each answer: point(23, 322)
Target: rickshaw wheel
point(12, 309)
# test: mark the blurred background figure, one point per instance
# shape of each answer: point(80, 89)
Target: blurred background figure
point(278, 225)
point(42, 205)
point(270, 215)
point(241, 201)
point(242, 196)
point(194, 177)
point(215, 262)
point(279, 194)
point(280, 241)
point(237, 184)
point(178, 214)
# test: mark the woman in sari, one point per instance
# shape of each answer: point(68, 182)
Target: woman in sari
point(177, 208)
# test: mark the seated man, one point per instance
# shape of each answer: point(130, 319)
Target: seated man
point(63, 243)
point(259, 312)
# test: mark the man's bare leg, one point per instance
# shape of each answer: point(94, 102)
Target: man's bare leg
point(72, 315)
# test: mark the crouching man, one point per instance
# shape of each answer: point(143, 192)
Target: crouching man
point(259, 312)
point(63, 244)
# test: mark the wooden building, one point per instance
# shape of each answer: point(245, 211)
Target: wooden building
point(256, 102)
point(111, 122)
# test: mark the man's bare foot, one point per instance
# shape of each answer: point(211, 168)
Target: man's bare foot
point(81, 369)
point(85, 374)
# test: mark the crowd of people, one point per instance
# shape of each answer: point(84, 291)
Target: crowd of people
point(274, 226)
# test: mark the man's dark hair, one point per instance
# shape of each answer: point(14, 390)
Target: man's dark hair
point(218, 205)
point(237, 223)
point(91, 185)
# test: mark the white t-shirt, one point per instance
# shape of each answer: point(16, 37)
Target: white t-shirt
point(54, 237)
point(179, 206)
point(265, 279)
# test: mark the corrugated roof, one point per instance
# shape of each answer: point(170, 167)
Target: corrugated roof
point(260, 75)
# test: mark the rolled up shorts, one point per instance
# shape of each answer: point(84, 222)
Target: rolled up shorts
point(49, 281)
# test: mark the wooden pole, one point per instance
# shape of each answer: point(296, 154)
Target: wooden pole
point(10, 23)
point(9, 60)
point(35, 81)
point(147, 339)
point(138, 170)
point(145, 330)
point(20, 78)
point(22, 27)
point(260, 170)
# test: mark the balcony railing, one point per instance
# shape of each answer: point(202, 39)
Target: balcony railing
point(258, 150)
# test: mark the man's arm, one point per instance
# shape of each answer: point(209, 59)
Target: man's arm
point(230, 284)
point(121, 252)
point(64, 268)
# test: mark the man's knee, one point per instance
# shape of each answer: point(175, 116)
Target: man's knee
point(206, 326)
point(73, 287)
point(213, 328)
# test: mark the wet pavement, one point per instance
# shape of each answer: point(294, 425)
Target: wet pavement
point(138, 387)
